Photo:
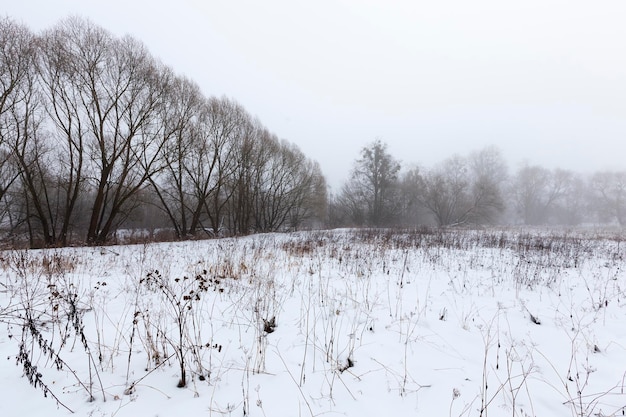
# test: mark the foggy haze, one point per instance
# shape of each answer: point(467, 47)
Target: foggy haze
point(542, 80)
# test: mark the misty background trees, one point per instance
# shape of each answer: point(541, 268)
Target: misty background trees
point(98, 136)
point(474, 189)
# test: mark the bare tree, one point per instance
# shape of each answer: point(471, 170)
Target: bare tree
point(128, 153)
point(290, 190)
point(371, 193)
point(489, 172)
point(446, 192)
point(266, 177)
point(272, 185)
point(610, 189)
point(350, 205)
point(113, 87)
point(575, 206)
point(411, 189)
point(310, 195)
point(67, 129)
point(537, 192)
point(244, 181)
point(227, 126)
point(466, 190)
point(26, 142)
point(180, 114)
point(17, 47)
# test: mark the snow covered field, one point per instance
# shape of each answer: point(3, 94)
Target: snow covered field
point(337, 323)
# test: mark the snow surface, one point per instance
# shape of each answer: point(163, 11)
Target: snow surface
point(367, 323)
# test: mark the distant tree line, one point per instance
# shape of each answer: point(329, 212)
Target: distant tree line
point(476, 189)
point(98, 135)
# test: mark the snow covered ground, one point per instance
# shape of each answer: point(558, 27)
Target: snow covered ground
point(337, 323)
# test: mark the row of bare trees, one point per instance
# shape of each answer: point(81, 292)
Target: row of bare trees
point(474, 189)
point(94, 130)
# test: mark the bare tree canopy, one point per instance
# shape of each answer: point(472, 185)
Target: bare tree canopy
point(93, 129)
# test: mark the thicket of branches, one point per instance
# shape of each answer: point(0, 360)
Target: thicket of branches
point(97, 135)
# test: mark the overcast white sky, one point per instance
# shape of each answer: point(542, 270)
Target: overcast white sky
point(543, 80)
